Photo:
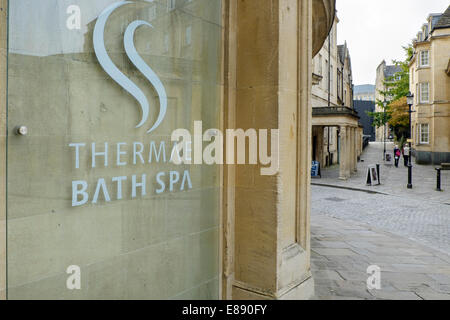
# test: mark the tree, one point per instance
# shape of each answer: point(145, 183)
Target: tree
point(380, 118)
point(400, 117)
point(397, 87)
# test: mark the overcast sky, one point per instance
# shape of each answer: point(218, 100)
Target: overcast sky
point(377, 30)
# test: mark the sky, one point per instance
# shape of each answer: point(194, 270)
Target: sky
point(376, 30)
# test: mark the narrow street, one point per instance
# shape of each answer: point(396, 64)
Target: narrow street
point(393, 180)
point(404, 232)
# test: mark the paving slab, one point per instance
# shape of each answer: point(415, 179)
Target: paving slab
point(428, 294)
point(426, 222)
point(417, 272)
point(406, 233)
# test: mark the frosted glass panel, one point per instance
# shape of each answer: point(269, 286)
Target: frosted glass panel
point(96, 207)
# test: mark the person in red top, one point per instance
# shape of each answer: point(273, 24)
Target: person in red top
point(397, 154)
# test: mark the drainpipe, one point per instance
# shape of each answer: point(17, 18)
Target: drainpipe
point(329, 93)
point(329, 70)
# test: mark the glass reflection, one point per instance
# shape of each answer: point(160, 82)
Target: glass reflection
point(140, 245)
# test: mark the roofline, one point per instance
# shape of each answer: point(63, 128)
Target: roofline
point(443, 27)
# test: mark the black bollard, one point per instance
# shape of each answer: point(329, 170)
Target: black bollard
point(378, 172)
point(438, 186)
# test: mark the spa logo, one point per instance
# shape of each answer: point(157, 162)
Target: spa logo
point(130, 49)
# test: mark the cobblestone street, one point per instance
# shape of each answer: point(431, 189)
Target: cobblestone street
point(404, 232)
point(393, 180)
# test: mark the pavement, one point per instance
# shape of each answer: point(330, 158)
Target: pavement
point(342, 251)
point(393, 180)
point(406, 233)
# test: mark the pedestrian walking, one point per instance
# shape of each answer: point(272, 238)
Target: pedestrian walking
point(406, 154)
point(397, 154)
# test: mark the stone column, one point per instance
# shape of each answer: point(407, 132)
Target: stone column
point(344, 151)
point(358, 141)
point(352, 149)
point(354, 153)
point(273, 48)
point(361, 133)
point(348, 167)
point(319, 132)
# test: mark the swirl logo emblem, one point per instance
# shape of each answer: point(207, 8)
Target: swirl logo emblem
point(117, 75)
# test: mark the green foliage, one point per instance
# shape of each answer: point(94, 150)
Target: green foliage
point(397, 86)
point(380, 118)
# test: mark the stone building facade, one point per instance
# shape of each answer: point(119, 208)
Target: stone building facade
point(334, 118)
point(385, 73)
point(430, 84)
point(86, 193)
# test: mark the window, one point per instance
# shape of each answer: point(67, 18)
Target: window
point(152, 13)
point(425, 31)
point(416, 134)
point(188, 35)
point(166, 43)
point(424, 133)
point(325, 83)
point(339, 85)
point(171, 5)
point(424, 58)
point(424, 92)
point(320, 64)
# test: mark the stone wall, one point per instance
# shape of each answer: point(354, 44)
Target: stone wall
point(3, 86)
point(145, 245)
